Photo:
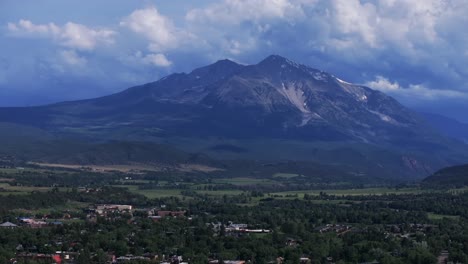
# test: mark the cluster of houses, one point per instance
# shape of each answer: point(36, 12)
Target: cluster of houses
point(61, 257)
point(116, 210)
point(107, 209)
point(236, 228)
point(335, 228)
point(408, 230)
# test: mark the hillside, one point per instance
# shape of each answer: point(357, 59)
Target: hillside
point(447, 126)
point(451, 176)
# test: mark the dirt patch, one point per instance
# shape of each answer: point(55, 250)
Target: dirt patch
point(129, 168)
point(197, 167)
point(6, 179)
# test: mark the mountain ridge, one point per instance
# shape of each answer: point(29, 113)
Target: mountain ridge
point(275, 99)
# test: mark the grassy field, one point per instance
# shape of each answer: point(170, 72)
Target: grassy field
point(433, 216)
point(71, 206)
point(244, 181)
point(364, 191)
point(18, 170)
point(153, 193)
point(285, 175)
point(221, 192)
point(20, 190)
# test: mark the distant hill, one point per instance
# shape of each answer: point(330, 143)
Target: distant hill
point(448, 126)
point(451, 176)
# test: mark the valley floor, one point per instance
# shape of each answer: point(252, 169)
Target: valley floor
point(74, 216)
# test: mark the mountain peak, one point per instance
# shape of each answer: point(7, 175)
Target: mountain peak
point(278, 63)
point(225, 62)
point(217, 70)
point(277, 59)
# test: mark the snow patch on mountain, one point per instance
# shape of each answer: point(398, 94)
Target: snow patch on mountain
point(343, 82)
point(319, 76)
point(295, 95)
point(385, 118)
point(358, 92)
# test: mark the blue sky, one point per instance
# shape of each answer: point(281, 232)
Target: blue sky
point(54, 50)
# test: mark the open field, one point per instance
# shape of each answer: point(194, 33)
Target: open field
point(433, 216)
point(221, 192)
point(244, 181)
point(19, 170)
point(6, 189)
point(100, 168)
point(364, 191)
point(69, 206)
point(19, 190)
point(127, 168)
point(285, 175)
point(153, 193)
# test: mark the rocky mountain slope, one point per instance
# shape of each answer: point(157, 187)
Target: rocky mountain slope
point(276, 100)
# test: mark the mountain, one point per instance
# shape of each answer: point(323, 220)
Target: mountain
point(274, 98)
point(276, 109)
point(448, 126)
point(450, 176)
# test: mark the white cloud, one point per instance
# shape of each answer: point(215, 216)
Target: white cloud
point(72, 58)
point(139, 59)
point(237, 11)
point(158, 29)
point(80, 37)
point(413, 91)
point(70, 35)
point(157, 60)
point(27, 27)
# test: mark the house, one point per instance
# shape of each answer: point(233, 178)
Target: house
point(171, 213)
point(29, 222)
point(155, 218)
point(8, 225)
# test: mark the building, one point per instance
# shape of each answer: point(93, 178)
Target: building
point(171, 213)
point(8, 225)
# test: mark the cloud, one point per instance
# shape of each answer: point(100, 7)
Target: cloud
point(158, 29)
point(139, 59)
point(157, 60)
point(154, 59)
point(413, 91)
point(238, 11)
point(72, 58)
point(70, 35)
